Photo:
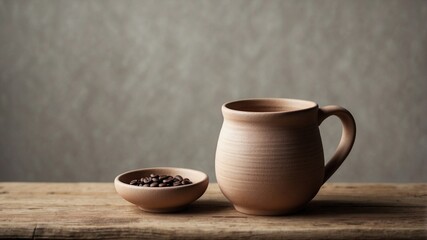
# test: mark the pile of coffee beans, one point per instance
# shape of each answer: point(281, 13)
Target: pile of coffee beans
point(155, 180)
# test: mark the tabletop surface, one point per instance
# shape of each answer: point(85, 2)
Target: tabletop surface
point(94, 210)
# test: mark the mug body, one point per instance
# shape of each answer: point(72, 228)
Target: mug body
point(269, 158)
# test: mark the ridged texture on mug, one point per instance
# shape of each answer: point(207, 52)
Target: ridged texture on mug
point(270, 169)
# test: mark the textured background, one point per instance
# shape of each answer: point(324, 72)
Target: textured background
point(89, 89)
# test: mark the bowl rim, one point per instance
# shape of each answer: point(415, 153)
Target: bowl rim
point(117, 181)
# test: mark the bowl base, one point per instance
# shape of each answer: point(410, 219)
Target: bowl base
point(265, 212)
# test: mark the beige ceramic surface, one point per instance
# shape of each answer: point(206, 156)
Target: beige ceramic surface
point(166, 199)
point(269, 158)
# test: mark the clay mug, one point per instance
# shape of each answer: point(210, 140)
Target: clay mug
point(269, 157)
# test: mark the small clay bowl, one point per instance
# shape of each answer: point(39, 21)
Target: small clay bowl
point(161, 199)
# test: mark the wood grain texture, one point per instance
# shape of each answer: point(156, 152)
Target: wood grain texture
point(94, 210)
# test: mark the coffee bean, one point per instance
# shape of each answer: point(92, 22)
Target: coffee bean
point(186, 181)
point(147, 180)
point(155, 180)
point(168, 180)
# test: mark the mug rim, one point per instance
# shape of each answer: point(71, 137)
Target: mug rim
point(309, 105)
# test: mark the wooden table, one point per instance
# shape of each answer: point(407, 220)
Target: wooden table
point(94, 210)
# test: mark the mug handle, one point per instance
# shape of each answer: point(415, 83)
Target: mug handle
point(347, 138)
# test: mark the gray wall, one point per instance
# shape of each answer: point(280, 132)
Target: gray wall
point(89, 89)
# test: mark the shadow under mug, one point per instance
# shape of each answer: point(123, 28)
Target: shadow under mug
point(269, 158)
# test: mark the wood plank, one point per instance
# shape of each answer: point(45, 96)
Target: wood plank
point(94, 210)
